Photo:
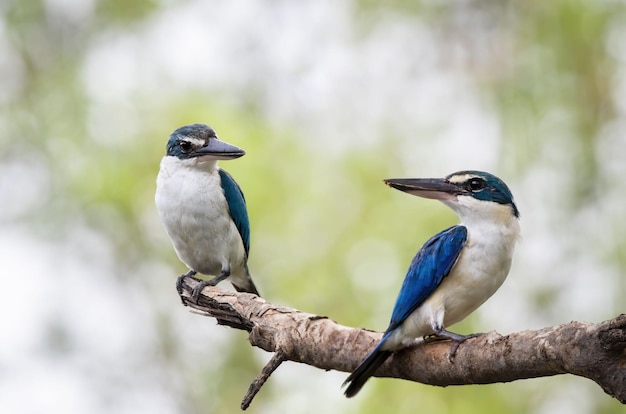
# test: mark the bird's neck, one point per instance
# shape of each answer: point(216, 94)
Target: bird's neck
point(491, 222)
point(173, 164)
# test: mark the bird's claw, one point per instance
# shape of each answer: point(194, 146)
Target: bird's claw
point(456, 339)
point(457, 342)
point(197, 291)
point(180, 281)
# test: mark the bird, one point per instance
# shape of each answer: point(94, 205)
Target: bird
point(455, 271)
point(203, 209)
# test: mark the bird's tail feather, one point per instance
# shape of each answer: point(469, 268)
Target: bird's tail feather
point(247, 287)
point(245, 283)
point(365, 370)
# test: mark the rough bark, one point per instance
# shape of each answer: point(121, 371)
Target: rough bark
point(592, 350)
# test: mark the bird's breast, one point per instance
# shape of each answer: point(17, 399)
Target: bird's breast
point(193, 208)
point(480, 270)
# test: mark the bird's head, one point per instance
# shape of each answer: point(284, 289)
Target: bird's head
point(200, 142)
point(468, 193)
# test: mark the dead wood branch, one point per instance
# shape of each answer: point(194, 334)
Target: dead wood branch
point(592, 350)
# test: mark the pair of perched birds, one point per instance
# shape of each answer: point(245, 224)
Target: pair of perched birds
point(458, 269)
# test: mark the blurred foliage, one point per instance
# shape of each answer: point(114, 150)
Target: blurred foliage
point(327, 236)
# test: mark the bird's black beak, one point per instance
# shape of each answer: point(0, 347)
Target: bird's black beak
point(218, 150)
point(435, 188)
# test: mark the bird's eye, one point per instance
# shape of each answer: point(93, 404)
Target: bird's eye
point(475, 184)
point(185, 146)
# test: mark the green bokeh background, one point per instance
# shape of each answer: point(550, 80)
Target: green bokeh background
point(327, 98)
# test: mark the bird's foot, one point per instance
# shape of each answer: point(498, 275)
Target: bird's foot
point(195, 294)
point(457, 339)
point(181, 278)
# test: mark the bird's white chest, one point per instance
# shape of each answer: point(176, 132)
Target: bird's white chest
point(194, 210)
point(480, 270)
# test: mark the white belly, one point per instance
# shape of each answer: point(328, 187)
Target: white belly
point(192, 206)
point(472, 281)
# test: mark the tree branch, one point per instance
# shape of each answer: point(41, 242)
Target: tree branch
point(592, 350)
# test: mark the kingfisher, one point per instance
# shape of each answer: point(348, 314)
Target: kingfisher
point(455, 271)
point(203, 208)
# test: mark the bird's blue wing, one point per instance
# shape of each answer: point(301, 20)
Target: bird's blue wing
point(430, 265)
point(237, 206)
